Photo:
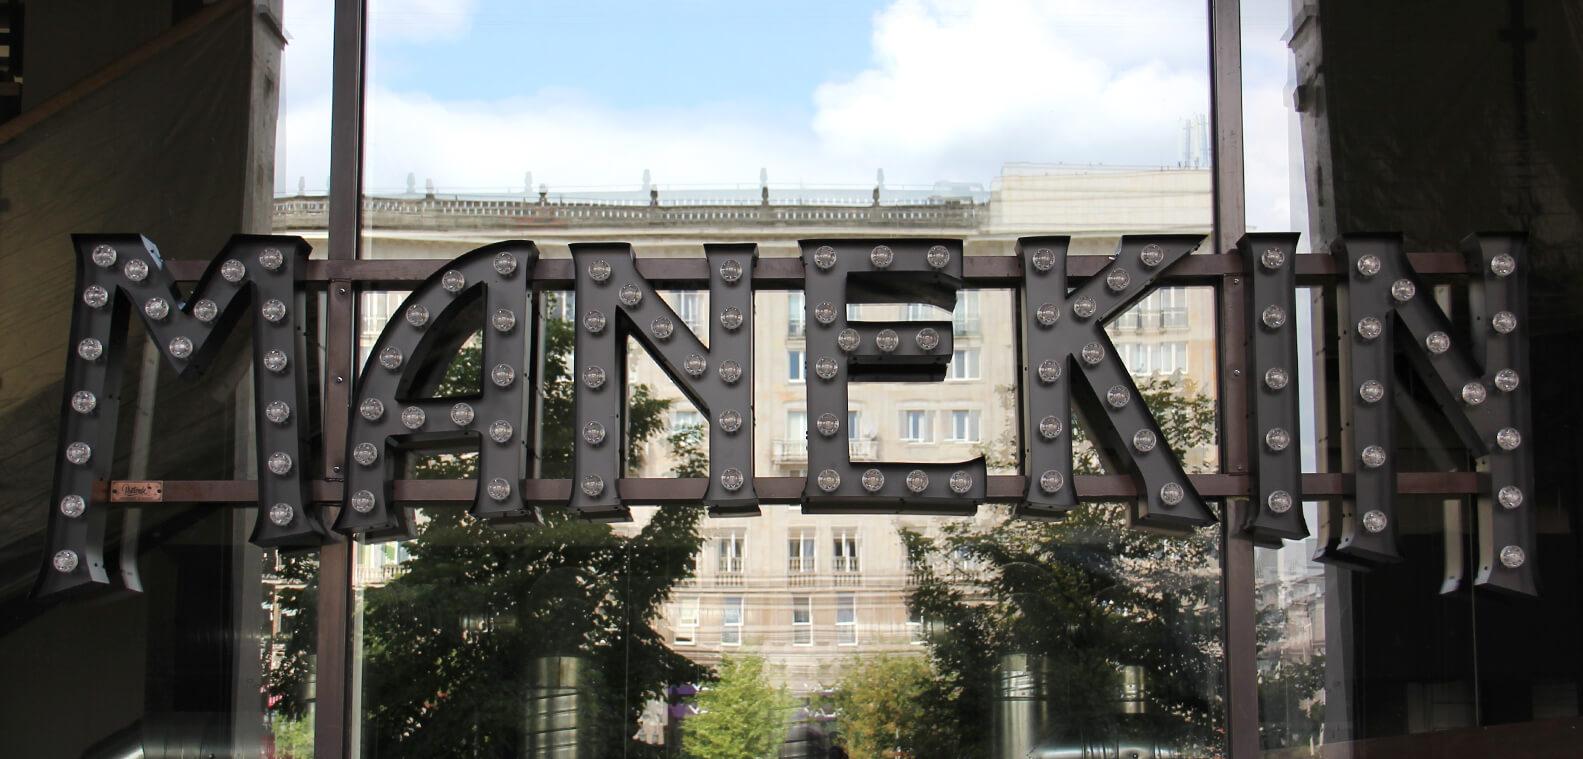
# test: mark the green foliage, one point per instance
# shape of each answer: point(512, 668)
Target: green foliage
point(293, 738)
point(1291, 691)
point(1083, 596)
point(689, 451)
point(294, 582)
point(891, 703)
point(741, 716)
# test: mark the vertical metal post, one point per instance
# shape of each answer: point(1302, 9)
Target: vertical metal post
point(1237, 610)
point(335, 560)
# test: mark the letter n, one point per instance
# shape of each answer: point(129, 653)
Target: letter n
point(614, 301)
point(1385, 305)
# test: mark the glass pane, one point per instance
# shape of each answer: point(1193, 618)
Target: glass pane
point(160, 119)
point(1361, 662)
point(856, 141)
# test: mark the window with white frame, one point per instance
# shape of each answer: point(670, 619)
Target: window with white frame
point(797, 425)
point(795, 366)
point(846, 619)
point(731, 621)
point(687, 621)
point(964, 426)
point(917, 426)
point(844, 554)
point(964, 364)
point(965, 317)
point(1172, 302)
point(1135, 356)
point(796, 315)
point(729, 551)
point(853, 419)
point(802, 621)
point(681, 419)
point(690, 307)
point(801, 553)
point(1171, 358)
point(560, 306)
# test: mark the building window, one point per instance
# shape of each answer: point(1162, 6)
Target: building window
point(1172, 302)
point(802, 621)
point(964, 364)
point(846, 619)
point(729, 552)
point(1171, 358)
point(844, 556)
point(731, 622)
point(917, 426)
point(800, 547)
point(796, 315)
point(560, 306)
point(797, 425)
point(687, 622)
point(684, 419)
point(853, 418)
point(376, 310)
point(964, 426)
point(690, 307)
point(795, 367)
point(917, 632)
point(965, 318)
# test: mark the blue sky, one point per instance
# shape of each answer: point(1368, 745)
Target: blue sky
point(476, 93)
point(771, 54)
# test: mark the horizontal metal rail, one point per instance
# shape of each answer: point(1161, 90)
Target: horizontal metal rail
point(781, 273)
point(662, 491)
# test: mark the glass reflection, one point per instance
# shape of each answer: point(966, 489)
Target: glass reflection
point(676, 632)
point(793, 634)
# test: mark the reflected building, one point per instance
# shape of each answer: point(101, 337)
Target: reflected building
point(809, 593)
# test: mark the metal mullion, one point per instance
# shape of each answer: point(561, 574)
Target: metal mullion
point(1238, 613)
point(333, 676)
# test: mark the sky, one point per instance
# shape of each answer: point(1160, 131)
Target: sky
point(475, 94)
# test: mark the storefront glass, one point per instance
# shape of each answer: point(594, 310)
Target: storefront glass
point(978, 636)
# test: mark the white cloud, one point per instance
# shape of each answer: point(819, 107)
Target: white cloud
point(954, 91)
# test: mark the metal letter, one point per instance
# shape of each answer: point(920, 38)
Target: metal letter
point(1479, 391)
point(393, 409)
point(115, 271)
point(615, 298)
point(873, 271)
point(1276, 473)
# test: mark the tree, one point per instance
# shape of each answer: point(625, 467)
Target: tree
point(1291, 688)
point(462, 647)
point(890, 704)
point(740, 715)
point(1082, 596)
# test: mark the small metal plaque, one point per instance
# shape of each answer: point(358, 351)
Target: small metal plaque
point(137, 491)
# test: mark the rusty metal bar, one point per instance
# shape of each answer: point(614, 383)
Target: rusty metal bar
point(784, 273)
point(664, 491)
point(1238, 612)
point(333, 695)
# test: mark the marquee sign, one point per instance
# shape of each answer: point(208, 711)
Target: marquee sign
point(1068, 366)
